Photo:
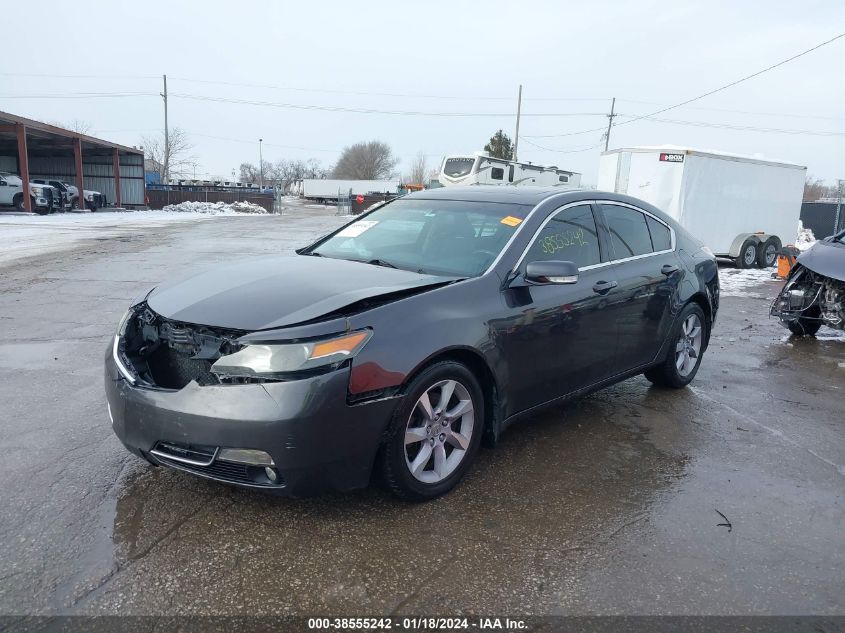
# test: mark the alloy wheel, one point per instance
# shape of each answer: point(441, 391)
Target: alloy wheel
point(688, 346)
point(439, 431)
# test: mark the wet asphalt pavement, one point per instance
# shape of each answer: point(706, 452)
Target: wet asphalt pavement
point(607, 505)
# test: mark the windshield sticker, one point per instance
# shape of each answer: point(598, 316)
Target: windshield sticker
point(356, 228)
point(511, 221)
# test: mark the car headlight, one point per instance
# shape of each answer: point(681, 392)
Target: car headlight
point(267, 360)
point(90, 196)
point(116, 346)
point(37, 191)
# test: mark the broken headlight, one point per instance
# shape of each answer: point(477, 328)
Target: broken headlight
point(268, 360)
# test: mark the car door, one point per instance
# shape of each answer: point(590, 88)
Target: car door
point(558, 338)
point(647, 271)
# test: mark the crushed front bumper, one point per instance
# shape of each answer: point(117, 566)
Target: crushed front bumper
point(315, 438)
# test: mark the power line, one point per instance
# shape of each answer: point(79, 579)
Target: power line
point(297, 106)
point(81, 95)
point(563, 151)
point(748, 128)
point(710, 92)
point(749, 112)
point(54, 76)
point(738, 81)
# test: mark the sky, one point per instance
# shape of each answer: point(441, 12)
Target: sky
point(235, 70)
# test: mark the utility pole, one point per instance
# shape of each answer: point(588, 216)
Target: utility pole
point(518, 112)
point(166, 166)
point(609, 123)
point(260, 164)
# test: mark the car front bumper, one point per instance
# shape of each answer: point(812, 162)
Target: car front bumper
point(315, 438)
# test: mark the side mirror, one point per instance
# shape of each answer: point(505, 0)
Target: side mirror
point(552, 272)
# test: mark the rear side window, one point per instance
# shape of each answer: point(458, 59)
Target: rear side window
point(497, 173)
point(629, 234)
point(569, 236)
point(661, 240)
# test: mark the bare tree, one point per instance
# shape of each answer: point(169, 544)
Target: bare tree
point(814, 189)
point(283, 172)
point(366, 161)
point(250, 172)
point(174, 157)
point(418, 172)
point(77, 125)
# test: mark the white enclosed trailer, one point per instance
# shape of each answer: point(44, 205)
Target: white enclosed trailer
point(482, 169)
point(327, 189)
point(741, 207)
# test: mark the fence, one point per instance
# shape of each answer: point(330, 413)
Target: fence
point(174, 194)
point(821, 217)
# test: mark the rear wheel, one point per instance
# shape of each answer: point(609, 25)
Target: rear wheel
point(435, 433)
point(18, 202)
point(686, 347)
point(767, 252)
point(747, 254)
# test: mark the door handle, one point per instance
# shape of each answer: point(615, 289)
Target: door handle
point(603, 287)
point(669, 269)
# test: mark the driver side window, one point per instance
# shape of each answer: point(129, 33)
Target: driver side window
point(570, 235)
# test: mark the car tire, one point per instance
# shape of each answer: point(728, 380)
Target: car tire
point(767, 252)
point(74, 204)
point(426, 454)
point(681, 363)
point(807, 326)
point(18, 202)
point(747, 254)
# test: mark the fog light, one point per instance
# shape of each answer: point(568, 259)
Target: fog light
point(271, 474)
point(245, 456)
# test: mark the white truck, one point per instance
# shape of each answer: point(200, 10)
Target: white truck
point(480, 168)
point(743, 208)
point(324, 190)
point(43, 198)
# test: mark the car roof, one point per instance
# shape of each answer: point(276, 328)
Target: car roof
point(533, 196)
point(497, 193)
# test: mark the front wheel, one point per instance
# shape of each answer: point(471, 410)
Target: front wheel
point(435, 433)
point(686, 347)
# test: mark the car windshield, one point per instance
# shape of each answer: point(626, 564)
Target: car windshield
point(439, 237)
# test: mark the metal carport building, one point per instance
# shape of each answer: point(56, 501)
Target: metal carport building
point(37, 150)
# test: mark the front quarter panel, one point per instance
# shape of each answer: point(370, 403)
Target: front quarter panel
point(409, 332)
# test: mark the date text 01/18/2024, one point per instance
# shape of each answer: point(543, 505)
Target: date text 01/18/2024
point(416, 624)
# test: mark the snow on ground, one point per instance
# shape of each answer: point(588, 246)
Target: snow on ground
point(25, 236)
point(739, 282)
point(214, 208)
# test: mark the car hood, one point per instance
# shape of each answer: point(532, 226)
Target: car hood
point(273, 292)
point(825, 258)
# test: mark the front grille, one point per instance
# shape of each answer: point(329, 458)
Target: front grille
point(228, 472)
point(173, 369)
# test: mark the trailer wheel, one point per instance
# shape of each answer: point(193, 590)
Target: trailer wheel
point(767, 252)
point(747, 254)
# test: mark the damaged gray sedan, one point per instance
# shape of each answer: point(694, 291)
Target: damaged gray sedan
point(814, 294)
